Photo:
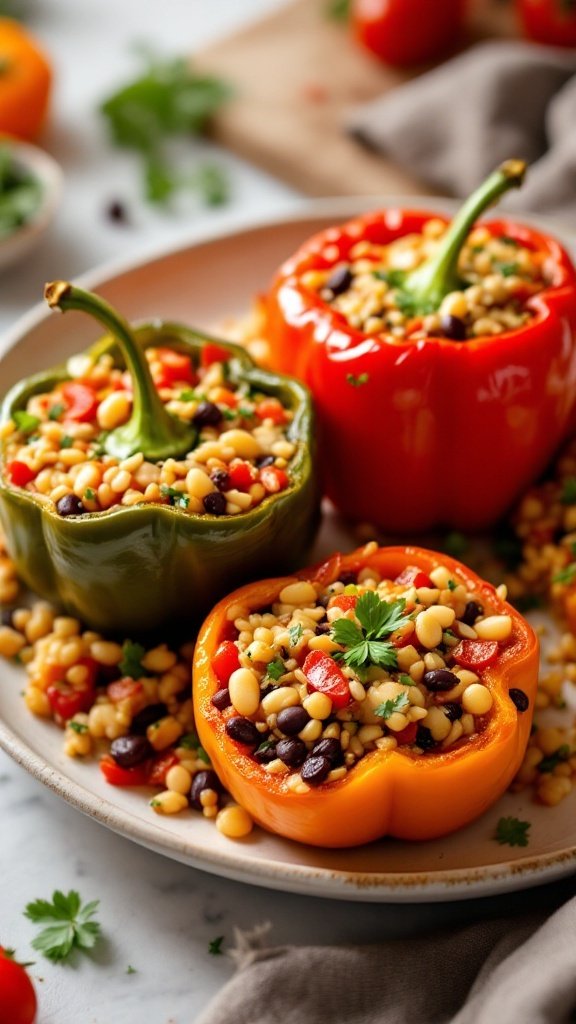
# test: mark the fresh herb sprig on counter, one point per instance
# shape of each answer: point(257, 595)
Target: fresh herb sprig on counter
point(368, 645)
point(68, 924)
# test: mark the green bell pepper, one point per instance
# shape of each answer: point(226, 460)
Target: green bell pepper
point(132, 569)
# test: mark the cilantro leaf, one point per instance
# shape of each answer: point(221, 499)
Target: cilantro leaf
point(131, 664)
point(131, 970)
point(345, 632)
point(512, 832)
point(25, 422)
point(295, 632)
point(506, 269)
point(380, 617)
point(406, 680)
point(394, 278)
point(399, 703)
point(452, 585)
point(56, 411)
point(66, 441)
point(177, 498)
point(215, 945)
point(68, 924)
point(212, 184)
point(367, 646)
point(79, 727)
point(276, 669)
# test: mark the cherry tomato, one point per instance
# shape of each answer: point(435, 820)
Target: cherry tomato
point(412, 576)
point(475, 654)
point(274, 479)
point(66, 701)
point(407, 735)
point(404, 32)
point(122, 689)
point(324, 675)
point(159, 768)
point(81, 401)
point(343, 601)
point(242, 476)
point(213, 354)
point(549, 21)
point(19, 473)
point(117, 776)
point(271, 409)
point(17, 996)
point(225, 661)
point(176, 368)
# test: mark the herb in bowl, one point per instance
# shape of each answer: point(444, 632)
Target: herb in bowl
point(20, 194)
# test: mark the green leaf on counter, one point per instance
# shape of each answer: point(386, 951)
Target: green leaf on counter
point(69, 925)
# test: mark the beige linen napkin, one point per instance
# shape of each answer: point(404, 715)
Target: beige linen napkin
point(452, 125)
point(494, 972)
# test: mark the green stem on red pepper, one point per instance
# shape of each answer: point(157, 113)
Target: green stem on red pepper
point(150, 429)
point(438, 276)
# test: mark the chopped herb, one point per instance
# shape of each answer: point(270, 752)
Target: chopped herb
point(56, 411)
point(97, 446)
point(568, 496)
point(548, 764)
point(394, 278)
point(295, 633)
point(455, 544)
point(389, 707)
point(367, 646)
point(131, 664)
point(190, 741)
point(507, 240)
point(66, 441)
point(406, 680)
point(89, 494)
point(25, 423)
point(512, 832)
point(68, 923)
point(452, 584)
point(265, 745)
point(411, 306)
point(131, 970)
point(357, 381)
point(20, 193)
point(450, 633)
point(155, 803)
point(166, 101)
point(506, 269)
point(566, 576)
point(276, 669)
point(201, 753)
point(229, 414)
point(177, 498)
point(215, 945)
point(245, 412)
point(79, 727)
point(188, 395)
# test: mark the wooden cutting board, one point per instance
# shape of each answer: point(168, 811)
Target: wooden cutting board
point(296, 74)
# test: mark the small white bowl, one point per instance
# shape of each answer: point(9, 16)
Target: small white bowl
point(49, 174)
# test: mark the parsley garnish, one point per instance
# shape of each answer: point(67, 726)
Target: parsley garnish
point(78, 727)
point(512, 832)
point(215, 945)
point(357, 381)
point(190, 741)
point(56, 411)
point(131, 664)
point(265, 745)
point(167, 100)
point(188, 395)
point(89, 494)
point(66, 441)
point(25, 422)
point(177, 498)
point(506, 269)
point(452, 584)
point(68, 924)
point(295, 633)
point(399, 703)
point(276, 669)
point(367, 646)
point(410, 305)
point(568, 496)
point(548, 764)
point(406, 680)
point(566, 576)
point(229, 414)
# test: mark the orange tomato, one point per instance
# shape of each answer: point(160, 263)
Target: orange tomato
point(25, 82)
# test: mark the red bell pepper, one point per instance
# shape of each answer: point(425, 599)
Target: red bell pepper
point(19, 473)
point(475, 654)
point(225, 661)
point(176, 368)
point(81, 401)
point(549, 21)
point(440, 432)
point(324, 676)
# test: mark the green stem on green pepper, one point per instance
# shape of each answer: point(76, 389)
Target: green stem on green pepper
point(434, 279)
point(150, 429)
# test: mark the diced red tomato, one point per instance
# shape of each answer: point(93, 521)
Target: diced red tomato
point(274, 479)
point(407, 735)
point(343, 601)
point(19, 473)
point(412, 576)
point(242, 475)
point(475, 654)
point(66, 701)
point(213, 354)
point(123, 689)
point(271, 409)
point(117, 776)
point(225, 661)
point(223, 396)
point(81, 401)
point(176, 368)
point(402, 639)
point(324, 675)
point(159, 768)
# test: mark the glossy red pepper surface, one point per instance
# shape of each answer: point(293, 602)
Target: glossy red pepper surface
point(439, 432)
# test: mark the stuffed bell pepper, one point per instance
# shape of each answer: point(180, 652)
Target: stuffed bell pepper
point(143, 478)
point(441, 357)
point(388, 692)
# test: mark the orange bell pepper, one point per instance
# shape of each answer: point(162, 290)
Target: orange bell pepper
point(389, 793)
point(25, 82)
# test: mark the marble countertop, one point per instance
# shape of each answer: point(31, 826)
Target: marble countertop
point(157, 916)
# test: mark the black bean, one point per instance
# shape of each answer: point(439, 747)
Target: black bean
point(6, 617)
point(315, 770)
point(207, 415)
point(267, 754)
point(221, 699)
point(292, 720)
point(330, 748)
point(215, 503)
point(206, 779)
point(70, 505)
point(440, 679)
point(243, 731)
point(128, 751)
point(292, 752)
point(340, 279)
point(148, 715)
point(519, 699)
point(424, 738)
point(221, 479)
point(453, 327)
point(471, 612)
point(348, 578)
point(264, 460)
point(453, 711)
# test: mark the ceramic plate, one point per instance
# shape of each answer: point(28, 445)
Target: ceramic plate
point(202, 284)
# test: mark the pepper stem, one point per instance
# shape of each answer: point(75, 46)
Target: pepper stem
point(150, 429)
point(438, 276)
